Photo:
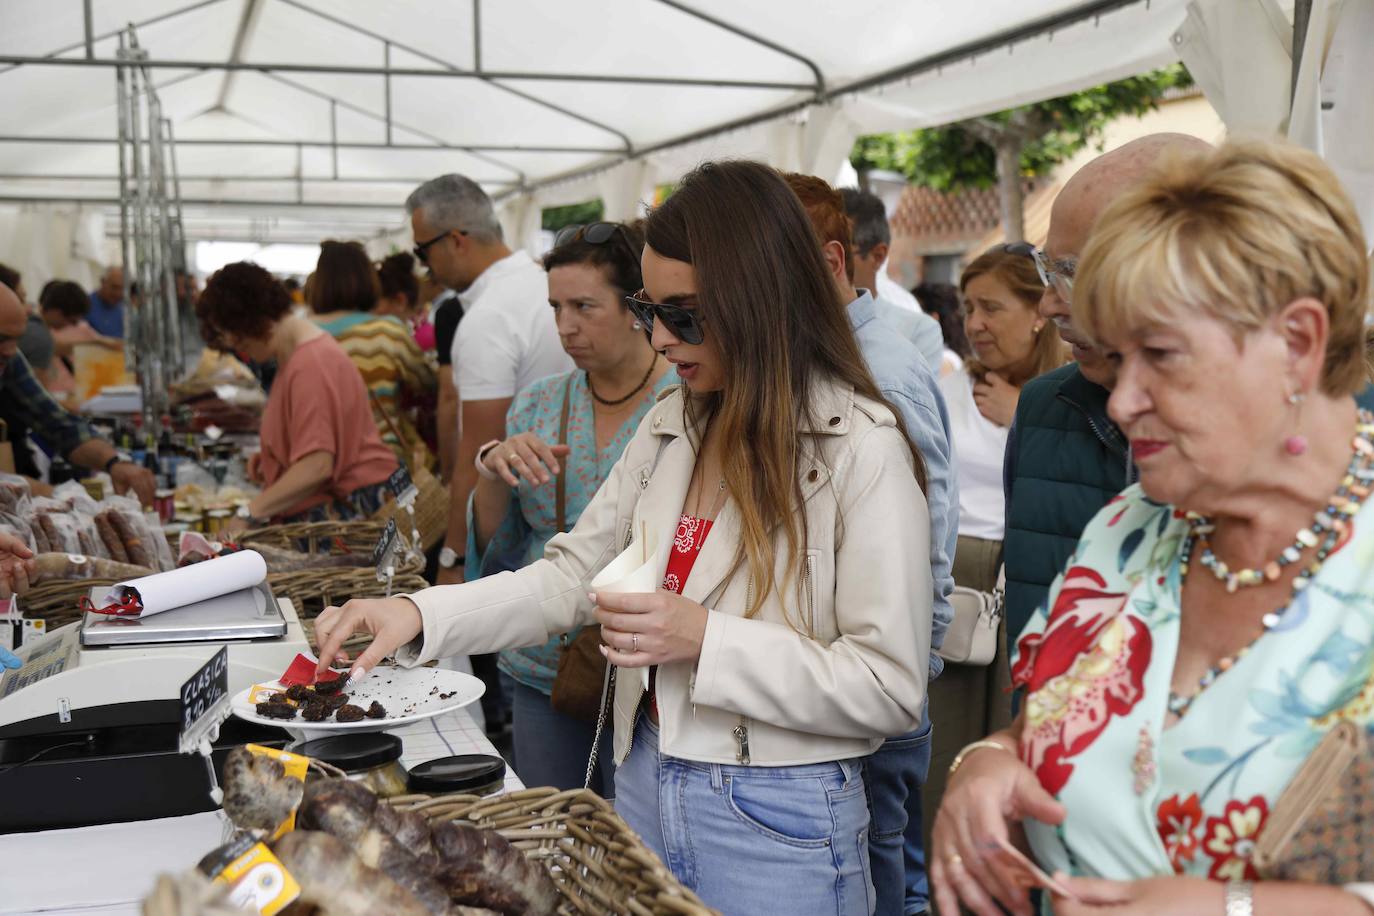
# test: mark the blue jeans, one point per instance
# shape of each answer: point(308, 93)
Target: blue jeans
point(551, 749)
point(895, 774)
point(751, 840)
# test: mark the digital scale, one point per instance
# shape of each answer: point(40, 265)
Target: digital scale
point(89, 725)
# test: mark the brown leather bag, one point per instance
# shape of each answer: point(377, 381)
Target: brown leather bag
point(581, 667)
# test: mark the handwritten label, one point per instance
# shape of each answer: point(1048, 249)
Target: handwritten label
point(204, 701)
point(384, 554)
point(401, 486)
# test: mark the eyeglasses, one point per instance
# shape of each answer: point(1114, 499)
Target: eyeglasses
point(595, 233)
point(1057, 274)
point(684, 323)
point(421, 251)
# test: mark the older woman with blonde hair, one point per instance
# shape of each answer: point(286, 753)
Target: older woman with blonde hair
point(1217, 619)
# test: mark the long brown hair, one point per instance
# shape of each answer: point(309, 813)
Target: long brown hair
point(772, 313)
point(344, 279)
point(1016, 271)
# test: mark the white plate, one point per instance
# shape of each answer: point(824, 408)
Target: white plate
point(409, 695)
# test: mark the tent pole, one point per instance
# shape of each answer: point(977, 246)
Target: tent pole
point(90, 37)
point(1302, 15)
point(477, 35)
point(386, 61)
point(334, 135)
point(750, 36)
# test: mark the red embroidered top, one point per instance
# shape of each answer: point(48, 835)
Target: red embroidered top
point(691, 534)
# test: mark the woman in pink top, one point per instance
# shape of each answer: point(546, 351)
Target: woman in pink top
point(321, 455)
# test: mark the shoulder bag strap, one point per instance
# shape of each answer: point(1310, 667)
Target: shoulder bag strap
point(560, 486)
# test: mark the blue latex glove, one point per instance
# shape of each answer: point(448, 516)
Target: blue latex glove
point(9, 660)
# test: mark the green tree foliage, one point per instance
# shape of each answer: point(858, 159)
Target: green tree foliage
point(963, 155)
point(555, 218)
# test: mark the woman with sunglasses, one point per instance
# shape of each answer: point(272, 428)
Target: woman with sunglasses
point(563, 435)
point(792, 630)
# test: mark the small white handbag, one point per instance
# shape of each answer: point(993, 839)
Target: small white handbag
point(971, 638)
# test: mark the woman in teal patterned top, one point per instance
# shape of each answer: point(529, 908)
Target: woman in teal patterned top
point(513, 511)
point(1216, 621)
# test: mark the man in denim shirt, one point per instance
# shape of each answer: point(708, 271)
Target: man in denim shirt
point(896, 772)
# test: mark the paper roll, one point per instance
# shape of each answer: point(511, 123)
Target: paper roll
point(197, 582)
point(638, 570)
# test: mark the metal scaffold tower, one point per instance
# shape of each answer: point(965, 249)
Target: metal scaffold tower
point(152, 241)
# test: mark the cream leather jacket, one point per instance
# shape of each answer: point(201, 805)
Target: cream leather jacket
point(761, 693)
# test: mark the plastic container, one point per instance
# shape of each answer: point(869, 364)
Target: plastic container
point(469, 774)
point(374, 759)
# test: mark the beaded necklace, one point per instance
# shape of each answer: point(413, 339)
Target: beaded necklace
point(1329, 525)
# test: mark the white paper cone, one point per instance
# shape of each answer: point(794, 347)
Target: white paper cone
point(630, 574)
point(197, 582)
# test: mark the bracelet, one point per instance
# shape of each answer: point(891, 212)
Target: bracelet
point(111, 463)
point(482, 470)
point(975, 746)
point(1240, 898)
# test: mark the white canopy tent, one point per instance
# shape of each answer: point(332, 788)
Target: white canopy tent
point(301, 119)
point(296, 119)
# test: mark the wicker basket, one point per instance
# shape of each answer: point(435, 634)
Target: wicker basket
point(312, 590)
point(595, 859)
point(58, 601)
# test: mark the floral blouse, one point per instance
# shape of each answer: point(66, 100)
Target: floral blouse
point(531, 519)
point(1191, 799)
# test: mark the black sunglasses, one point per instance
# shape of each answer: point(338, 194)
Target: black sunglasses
point(421, 251)
point(684, 323)
point(595, 234)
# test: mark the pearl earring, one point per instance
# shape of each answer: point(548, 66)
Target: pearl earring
point(1296, 444)
point(637, 326)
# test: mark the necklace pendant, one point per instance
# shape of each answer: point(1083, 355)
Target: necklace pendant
point(1232, 583)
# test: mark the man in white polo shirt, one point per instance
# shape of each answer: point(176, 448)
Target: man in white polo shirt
point(507, 337)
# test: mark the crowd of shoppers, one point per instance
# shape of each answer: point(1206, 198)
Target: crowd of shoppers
point(1121, 430)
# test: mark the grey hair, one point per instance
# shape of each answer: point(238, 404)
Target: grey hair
point(457, 202)
point(869, 217)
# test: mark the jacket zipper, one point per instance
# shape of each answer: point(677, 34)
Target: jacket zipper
point(808, 586)
point(741, 731)
point(629, 536)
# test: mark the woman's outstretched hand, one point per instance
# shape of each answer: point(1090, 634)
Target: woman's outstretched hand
point(393, 622)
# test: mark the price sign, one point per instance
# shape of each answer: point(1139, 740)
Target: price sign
point(401, 486)
point(204, 701)
point(384, 554)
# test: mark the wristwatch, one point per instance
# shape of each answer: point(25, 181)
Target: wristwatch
point(111, 463)
point(449, 558)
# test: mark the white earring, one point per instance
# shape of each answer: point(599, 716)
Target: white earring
point(637, 326)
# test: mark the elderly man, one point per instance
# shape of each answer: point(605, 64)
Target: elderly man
point(25, 404)
point(1065, 457)
point(107, 304)
point(506, 340)
point(872, 239)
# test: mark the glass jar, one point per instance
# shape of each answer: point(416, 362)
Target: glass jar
point(374, 759)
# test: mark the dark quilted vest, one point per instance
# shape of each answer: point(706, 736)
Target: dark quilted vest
point(1066, 460)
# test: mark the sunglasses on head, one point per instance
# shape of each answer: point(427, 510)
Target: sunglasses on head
point(421, 251)
point(594, 233)
point(1056, 275)
point(684, 323)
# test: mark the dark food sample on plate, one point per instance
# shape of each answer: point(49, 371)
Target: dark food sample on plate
point(275, 709)
point(315, 712)
point(299, 693)
point(349, 713)
point(335, 700)
point(376, 711)
point(324, 687)
point(447, 696)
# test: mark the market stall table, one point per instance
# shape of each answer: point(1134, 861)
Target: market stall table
point(110, 867)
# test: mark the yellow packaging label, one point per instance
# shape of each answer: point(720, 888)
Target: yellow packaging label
point(261, 693)
point(295, 766)
point(259, 882)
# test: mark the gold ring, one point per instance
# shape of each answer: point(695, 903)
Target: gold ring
point(511, 456)
point(956, 859)
point(634, 642)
